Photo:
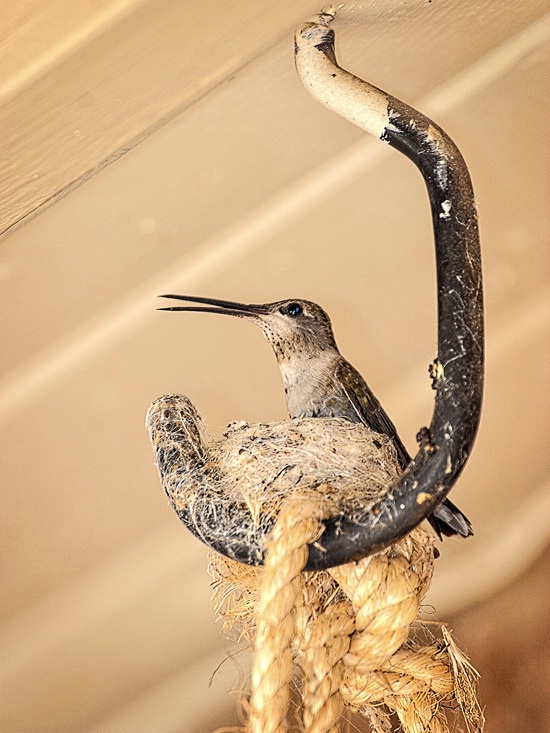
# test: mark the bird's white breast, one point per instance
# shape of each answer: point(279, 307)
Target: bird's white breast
point(306, 380)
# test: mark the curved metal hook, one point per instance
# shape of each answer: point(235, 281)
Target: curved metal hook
point(457, 372)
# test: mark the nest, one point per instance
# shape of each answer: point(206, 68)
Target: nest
point(228, 492)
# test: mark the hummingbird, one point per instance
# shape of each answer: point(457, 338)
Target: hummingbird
point(318, 381)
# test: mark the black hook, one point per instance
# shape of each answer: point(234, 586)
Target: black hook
point(457, 373)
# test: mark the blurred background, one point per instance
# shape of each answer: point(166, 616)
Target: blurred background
point(155, 146)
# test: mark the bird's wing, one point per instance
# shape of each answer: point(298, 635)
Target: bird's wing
point(368, 409)
point(447, 519)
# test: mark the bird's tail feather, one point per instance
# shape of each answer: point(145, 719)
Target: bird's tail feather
point(448, 520)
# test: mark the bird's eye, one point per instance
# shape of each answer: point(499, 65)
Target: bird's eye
point(294, 309)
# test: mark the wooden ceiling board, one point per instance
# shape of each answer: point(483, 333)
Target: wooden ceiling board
point(101, 100)
point(37, 34)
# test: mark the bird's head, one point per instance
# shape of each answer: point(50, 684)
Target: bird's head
point(292, 327)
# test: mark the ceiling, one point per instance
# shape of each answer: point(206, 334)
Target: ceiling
point(164, 146)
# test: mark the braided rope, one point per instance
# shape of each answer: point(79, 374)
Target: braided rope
point(280, 594)
point(408, 673)
point(347, 628)
point(386, 591)
point(351, 652)
point(323, 665)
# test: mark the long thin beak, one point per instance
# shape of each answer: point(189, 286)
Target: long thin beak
point(222, 306)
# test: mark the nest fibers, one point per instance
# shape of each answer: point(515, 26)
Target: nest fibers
point(348, 630)
point(233, 488)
